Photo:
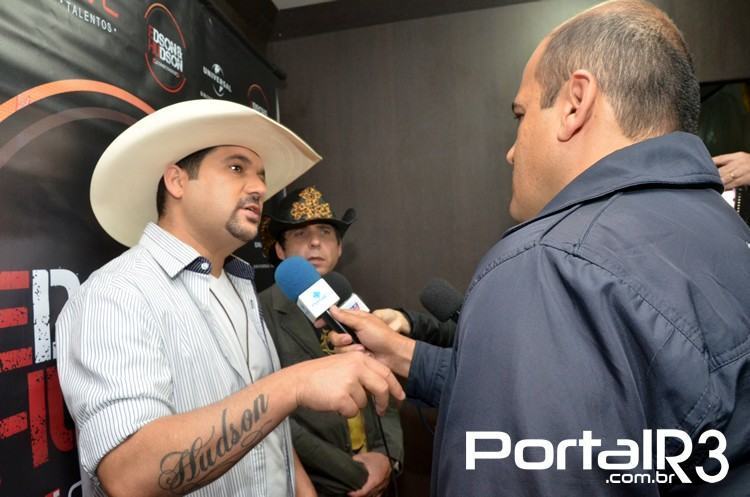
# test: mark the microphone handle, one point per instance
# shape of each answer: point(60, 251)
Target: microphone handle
point(336, 326)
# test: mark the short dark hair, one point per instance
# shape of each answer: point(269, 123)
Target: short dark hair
point(282, 234)
point(640, 60)
point(191, 164)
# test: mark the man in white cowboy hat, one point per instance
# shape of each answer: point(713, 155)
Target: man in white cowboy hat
point(165, 362)
point(341, 456)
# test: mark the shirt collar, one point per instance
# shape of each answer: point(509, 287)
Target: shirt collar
point(174, 255)
point(240, 268)
point(677, 159)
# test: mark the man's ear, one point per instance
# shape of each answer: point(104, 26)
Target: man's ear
point(279, 251)
point(174, 180)
point(578, 97)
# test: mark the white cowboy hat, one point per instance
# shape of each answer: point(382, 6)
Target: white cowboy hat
point(124, 182)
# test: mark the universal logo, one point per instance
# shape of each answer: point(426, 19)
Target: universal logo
point(165, 48)
point(216, 75)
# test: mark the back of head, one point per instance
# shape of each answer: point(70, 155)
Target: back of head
point(640, 60)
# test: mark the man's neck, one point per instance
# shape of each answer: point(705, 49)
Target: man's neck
point(594, 144)
point(214, 252)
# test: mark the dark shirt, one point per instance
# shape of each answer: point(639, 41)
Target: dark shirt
point(623, 306)
point(427, 328)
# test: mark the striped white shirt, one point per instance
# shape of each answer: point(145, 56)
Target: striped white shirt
point(140, 340)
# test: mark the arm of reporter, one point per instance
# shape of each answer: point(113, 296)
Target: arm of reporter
point(388, 346)
point(156, 460)
point(419, 326)
point(425, 366)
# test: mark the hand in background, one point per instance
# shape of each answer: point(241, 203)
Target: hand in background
point(734, 169)
point(378, 472)
point(395, 319)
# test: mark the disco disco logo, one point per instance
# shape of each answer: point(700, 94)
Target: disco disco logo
point(165, 48)
point(257, 99)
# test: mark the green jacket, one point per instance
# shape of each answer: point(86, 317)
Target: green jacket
point(321, 439)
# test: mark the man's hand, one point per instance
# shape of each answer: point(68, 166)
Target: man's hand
point(734, 169)
point(378, 473)
point(395, 319)
point(386, 345)
point(342, 382)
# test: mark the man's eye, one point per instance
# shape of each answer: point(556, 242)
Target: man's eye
point(236, 168)
point(517, 117)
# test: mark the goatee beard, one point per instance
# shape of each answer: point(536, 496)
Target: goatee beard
point(234, 228)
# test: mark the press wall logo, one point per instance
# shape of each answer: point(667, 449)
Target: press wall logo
point(216, 74)
point(257, 99)
point(42, 416)
point(99, 16)
point(632, 462)
point(165, 48)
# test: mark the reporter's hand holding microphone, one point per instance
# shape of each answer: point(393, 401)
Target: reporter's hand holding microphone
point(376, 337)
point(316, 299)
point(443, 302)
point(340, 382)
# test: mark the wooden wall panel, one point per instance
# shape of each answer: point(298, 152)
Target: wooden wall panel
point(413, 121)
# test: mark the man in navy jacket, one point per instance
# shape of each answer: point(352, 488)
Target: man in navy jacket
point(619, 307)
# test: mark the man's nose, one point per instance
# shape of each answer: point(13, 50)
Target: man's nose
point(257, 186)
point(509, 155)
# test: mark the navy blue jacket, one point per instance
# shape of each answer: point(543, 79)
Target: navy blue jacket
point(623, 306)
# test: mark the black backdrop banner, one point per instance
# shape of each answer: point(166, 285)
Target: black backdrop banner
point(75, 73)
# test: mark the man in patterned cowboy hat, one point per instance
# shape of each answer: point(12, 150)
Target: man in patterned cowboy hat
point(342, 456)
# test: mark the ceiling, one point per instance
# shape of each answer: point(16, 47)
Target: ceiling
point(291, 4)
point(297, 18)
point(263, 21)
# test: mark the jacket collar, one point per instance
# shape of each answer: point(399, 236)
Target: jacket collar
point(677, 160)
point(280, 302)
point(294, 323)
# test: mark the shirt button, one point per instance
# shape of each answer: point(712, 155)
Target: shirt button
point(204, 266)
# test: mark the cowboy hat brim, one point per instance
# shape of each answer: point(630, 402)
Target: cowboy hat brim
point(126, 177)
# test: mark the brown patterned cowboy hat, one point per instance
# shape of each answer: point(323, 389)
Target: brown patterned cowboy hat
point(300, 207)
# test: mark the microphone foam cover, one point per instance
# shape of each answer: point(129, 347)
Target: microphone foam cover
point(441, 299)
point(295, 275)
point(339, 284)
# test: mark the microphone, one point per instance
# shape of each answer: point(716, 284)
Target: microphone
point(340, 285)
point(442, 300)
point(343, 288)
point(301, 283)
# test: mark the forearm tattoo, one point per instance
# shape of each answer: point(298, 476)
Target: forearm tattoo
point(206, 459)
